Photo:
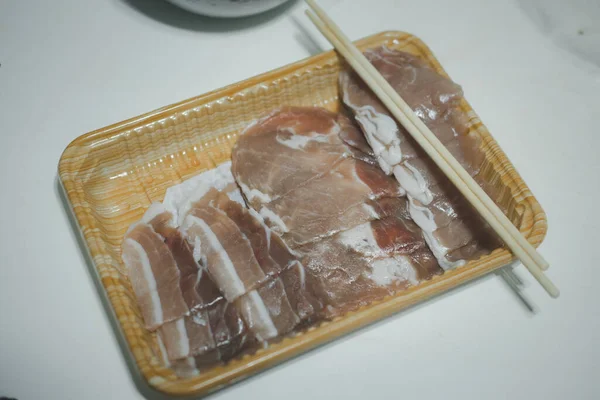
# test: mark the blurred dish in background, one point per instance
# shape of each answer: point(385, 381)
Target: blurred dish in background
point(228, 8)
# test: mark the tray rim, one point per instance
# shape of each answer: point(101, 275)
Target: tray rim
point(325, 332)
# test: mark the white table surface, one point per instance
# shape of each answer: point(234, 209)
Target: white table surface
point(69, 67)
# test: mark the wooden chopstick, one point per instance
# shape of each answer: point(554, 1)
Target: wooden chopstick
point(435, 149)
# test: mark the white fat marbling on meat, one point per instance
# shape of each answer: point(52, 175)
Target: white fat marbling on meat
point(155, 210)
point(198, 319)
point(277, 223)
point(186, 367)
point(424, 218)
point(378, 148)
point(201, 271)
point(274, 307)
point(180, 198)
point(301, 272)
point(257, 316)
point(252, 194)
point(381, 133)
point(386, 271)
point(183, 341)
point(392, 155)
point(197, 249)
point(375, 144)
point(361, 239)
point(413, 182)
point(163, 351)
point(157, 312)
point(425, 113)
point(371, 123)
point(236, 195)
point(260, 219)
point(374, 214)
point(299, 142)
point(383, 128)
point(228, 269)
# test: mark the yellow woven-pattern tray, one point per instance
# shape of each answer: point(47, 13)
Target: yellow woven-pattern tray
point(111, 175)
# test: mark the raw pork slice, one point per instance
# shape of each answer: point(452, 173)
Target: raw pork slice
point(234, 244)
point(368, 262)
point(154, 276)
point(279, 305)
point(451, 227)
point(270, 251)
point(195, 286)
point(284, 150)
point(224, 250)
point(267, 311)
point(309, 174)
point(331, 203)
point(187, 336)
point(214, 334)
point(180, 198)
point(230, 338)
point(300, 290)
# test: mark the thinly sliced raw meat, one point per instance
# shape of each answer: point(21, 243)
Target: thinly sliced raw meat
point(332, 203)
point(218, 218)
point(197, 287)
point(355, 141)
point(224, 250)
point(216, 332)
point(448, 222)
point(184, 368)
point(269, 250)
point(353, 136)
point(307, 204)
point(188, 336)
point(154, 275)
point(340, 276)
point(184, 339)
point(284, 150)
point(401, 237)
point(245, 259)
point(369, 261)
point(277, 262)
point(266, 280)
point(267, 311)
point(299, 288)
point(396, 238)
point(230, 332)
point(180, 198)
point(274, 256)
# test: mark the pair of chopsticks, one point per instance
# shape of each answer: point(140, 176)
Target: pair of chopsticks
point(520, 247)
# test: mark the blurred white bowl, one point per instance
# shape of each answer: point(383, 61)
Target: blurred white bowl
point(227, 8)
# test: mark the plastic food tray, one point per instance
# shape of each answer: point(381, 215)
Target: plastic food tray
point(110, 176)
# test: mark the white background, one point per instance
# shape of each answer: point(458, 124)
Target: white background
point(69, 67)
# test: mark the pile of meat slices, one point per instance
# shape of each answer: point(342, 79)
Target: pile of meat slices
point(315, 215)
